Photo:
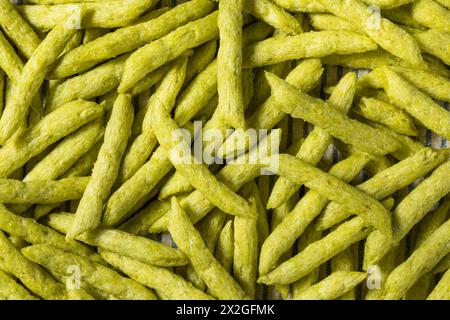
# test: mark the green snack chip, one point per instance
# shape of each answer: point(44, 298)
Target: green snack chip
point(220, 283)
point(93, 274)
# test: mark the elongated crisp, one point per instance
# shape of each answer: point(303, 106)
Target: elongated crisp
point(443, 265)
point(301, 5)
point(432, 41)
point(102, 79)
point(333, 189)
point(434, 187)
point(36, 233)
point(45, 191)
point(346, 261)
point(198, 175)
point(9, 60)
point(73, 291)
point(142, 109)
point(327, 21)
point(80, 289)
point(74, 42)
point(416, 103)
point(154, 77)
point(378, 164)
point(372, 80)
point(387, 4)
point(141, 148)
point(317, 142)
point(224, 252)
point(92, 34)
point(421, 261)
point(123, 243)
point(31, 79)
point(229, 61)
point(167, 284)
point(278, 215)
point(92, 273)
point(128, 38)
point(318, 6)
point(431, 14)
point(304, 76)
point(67, 152)
point(18, 242)
point(11, 290)
point(81, 168)
point(430, 223)
point(200, 60)
point(387, 182)
point(408, 146)
point(309, 236)
point(333, 286)
point(262, 228)
point(279, 49)
point(197, 94)
point(17, 29)
point(187, 238)
point(120, 204)
point(64, 155)
point(317, 253)
point(203, 87)
point(107, 102)
point(232, 175)
point(378, 58)
point(135, 188)
point(136, 155)
point(325, 116)
point(384, 113)
point(245, 259)
point(193, 278)
point(273, 15)
point(30, 274)
point(389, 36)
point(118, 129)
point(28, 143)
point(102, 14)
point(409, 212)
point(156, 53)
point(84, 165)
point(178, 183)
point(402, 17)
point(210, 229)
point(310, 206)
point(256, 32)
point(381, 271)
point(262, 89)
point(440, 291)
point(144, 218)
point(35, 110)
